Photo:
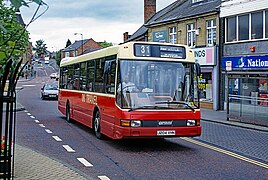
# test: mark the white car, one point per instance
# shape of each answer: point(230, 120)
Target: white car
point(49, 91)
point(54, 76)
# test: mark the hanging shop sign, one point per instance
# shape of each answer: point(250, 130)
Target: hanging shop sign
point(160, 36)
point(244, 62)
point(205, 56)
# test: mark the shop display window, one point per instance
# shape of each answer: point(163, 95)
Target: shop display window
point(249, 91)
point(205, 87)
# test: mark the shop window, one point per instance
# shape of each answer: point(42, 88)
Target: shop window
point(173, 35)
point(191, 35)
point(211, 32)
point(257, 25)
point(243, 27)
point(205, 86)
point(231, 29)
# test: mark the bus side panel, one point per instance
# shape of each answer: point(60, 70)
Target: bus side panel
point(83, 110)
point(107, 107)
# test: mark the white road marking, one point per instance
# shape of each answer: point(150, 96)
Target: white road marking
point(85, 162)
point(29, 114)
point(32, 117)
point(29, 85)
point(42, 125)
point(68, 148)
point(48, 131)
point(25, 111)
point(103, 178)
point(36, 121)
point(57, 138)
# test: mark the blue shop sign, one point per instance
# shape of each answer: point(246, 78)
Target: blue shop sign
point(244, 62)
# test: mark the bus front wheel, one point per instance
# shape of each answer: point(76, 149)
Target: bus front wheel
point(97, 125)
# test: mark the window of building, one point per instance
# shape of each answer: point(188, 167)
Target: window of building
point(173, 35)
point(211, 32)
point(257, 25)
point(75, 53)
point(231, 29)
point(67, 54)
point(247, 27)
point(191, 35)
point(243, 27)
point(266, 24)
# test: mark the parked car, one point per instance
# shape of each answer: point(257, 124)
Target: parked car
point(49, 91)
point(54, 75)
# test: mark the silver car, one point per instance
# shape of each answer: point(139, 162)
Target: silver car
point(49, 91)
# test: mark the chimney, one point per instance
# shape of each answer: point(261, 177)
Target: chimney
point(125, 36)
point(149, 9)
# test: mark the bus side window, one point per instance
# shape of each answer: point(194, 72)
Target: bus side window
point(90, 75)
point(109, 73)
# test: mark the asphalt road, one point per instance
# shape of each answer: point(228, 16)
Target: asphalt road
point(43, 128)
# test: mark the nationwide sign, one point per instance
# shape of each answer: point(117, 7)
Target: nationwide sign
point(244, 62)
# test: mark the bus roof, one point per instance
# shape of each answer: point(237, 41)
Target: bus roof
point(126, 51)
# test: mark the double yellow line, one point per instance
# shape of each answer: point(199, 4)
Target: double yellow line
point(226, 152)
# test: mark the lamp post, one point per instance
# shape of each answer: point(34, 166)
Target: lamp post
point(82, 40)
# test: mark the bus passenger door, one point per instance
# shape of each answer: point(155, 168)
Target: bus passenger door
point(109, 104)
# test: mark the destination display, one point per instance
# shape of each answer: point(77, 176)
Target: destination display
point(163, 51)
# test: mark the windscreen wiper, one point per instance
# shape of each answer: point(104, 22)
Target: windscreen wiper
point(176, 102)
point(147, 107)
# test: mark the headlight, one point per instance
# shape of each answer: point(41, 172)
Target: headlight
point(135, 123)
point(130, 123)
point(190, 122)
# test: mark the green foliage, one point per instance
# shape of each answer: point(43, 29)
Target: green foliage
point(40, 47)
point(68, 43)
point(58, 57)
point(14, 38)
point(105, 44)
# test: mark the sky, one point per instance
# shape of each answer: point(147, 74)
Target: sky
point(101, 20)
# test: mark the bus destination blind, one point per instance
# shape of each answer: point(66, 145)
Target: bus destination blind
point(162, 51)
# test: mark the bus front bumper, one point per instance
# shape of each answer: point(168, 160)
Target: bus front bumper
point(163, 132)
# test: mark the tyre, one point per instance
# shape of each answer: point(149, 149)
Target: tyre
point(68, 118)
point(97, 125)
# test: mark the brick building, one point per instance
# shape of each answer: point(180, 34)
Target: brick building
point(76, 49)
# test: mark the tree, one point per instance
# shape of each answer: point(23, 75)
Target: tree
point(105, 44)
point(68, 43)
point(40, 47)
point(14, 38)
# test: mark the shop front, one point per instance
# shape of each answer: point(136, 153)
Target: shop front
point(246, 88)
point(209, 77)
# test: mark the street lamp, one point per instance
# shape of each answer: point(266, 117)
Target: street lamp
point(81, 38)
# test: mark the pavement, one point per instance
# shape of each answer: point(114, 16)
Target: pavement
point(29, 164)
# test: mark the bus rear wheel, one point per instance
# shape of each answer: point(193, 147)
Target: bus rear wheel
point(97, 125)
point(68, 118)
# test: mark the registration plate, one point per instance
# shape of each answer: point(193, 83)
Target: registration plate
point(166, 133)
point(52, 95)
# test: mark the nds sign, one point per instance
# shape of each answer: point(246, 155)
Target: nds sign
point(205, 56)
